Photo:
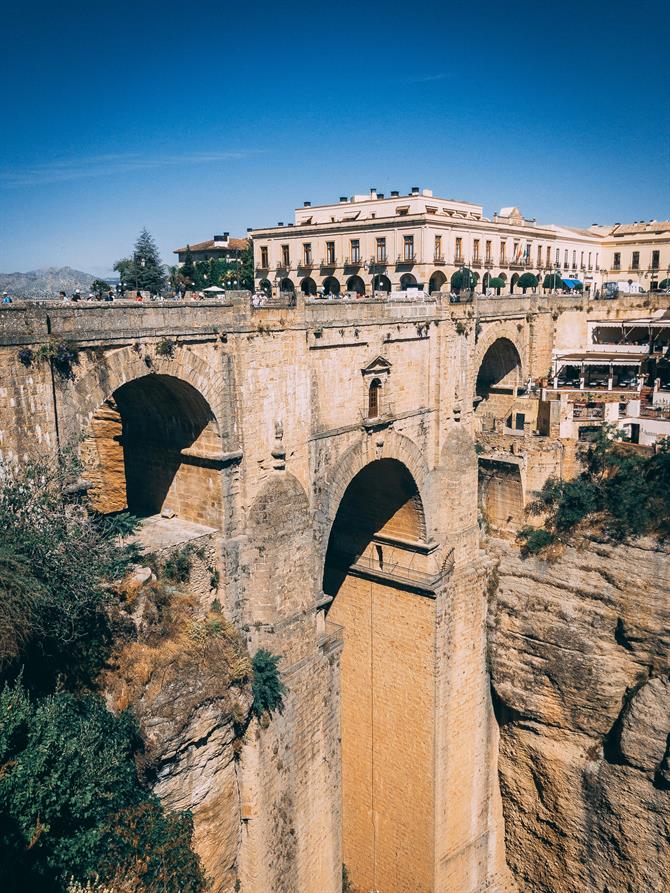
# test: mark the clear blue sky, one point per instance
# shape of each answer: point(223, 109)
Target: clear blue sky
point(195, 118)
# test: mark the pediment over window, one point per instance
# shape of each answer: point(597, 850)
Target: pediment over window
point(379, 366)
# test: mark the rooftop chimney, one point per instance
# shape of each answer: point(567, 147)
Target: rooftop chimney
point(281, 223)
point(380, 195)
point(250, 229)
point(394, 193)
point(221, 240)
point(373, 192)
point(307, 204)
point(415, 190)
point(343, 198)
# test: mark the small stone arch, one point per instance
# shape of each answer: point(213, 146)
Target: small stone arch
point(499, 370)
point(437, 281)
point(513, 282)
point(287, 286)
point(485, 281)
point(356, 284)
point(308, 286)
point(265, 286)
point(407, 280)
point(381, 283)
point(331, 286)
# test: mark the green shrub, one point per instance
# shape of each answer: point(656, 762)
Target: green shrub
point(62, 355)
point(177, 566)
point(165, 348)
point(71, 802)
point(527, 280)
point(57, 565)
point(268, 689)
point(534, 540)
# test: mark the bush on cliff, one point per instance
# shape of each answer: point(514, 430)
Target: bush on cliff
point(58, 564)
point(620, 493)
point(268, 689)
point(71, 804)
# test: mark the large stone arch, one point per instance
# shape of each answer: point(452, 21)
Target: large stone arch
point(388, 444)
point(110, 370)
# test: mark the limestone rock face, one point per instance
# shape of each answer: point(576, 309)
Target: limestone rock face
point(580, 660)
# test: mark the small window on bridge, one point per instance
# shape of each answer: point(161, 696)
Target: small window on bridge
point(373, 398)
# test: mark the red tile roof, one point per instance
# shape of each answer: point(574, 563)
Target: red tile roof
point(239, 244)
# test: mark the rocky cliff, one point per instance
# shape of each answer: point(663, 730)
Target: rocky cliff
point(579, 654)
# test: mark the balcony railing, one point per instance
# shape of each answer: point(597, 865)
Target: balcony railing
point(379, 261)
point(328, 261)
point(306, 264)
point(406, 258)
point(352, 261)
point(438, 259)
point(459, 260)
point(476, 262)
point(502, 261)
point(283, 265)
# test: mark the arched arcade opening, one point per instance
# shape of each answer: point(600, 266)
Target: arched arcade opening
point(499, 372)
point(375, 573)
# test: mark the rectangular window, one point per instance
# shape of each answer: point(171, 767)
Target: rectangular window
point(438, 247)
point(539, 255)
point(636, 260)
point(330, 252)
point(527, 252)
point(617, 260)
point(558, 256)
point(264, 257)
point(307, 251)
point(590, 255)
point(285, 256)
point(574, 260)
point(581, 262)
point(355, 250)
point(503, 252)
point(597, 261)
point(475, 249)
point(565, 258)
point(459, 249)
point(488, 249)
point(655, 259)
point(408, 248)
point(381, 249)
point(516, 253)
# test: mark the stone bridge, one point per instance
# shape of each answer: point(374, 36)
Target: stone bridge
point(328, 451)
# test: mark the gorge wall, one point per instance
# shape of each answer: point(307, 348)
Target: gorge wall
point(579, 655)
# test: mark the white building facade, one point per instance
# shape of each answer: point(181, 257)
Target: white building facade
point(385, 243)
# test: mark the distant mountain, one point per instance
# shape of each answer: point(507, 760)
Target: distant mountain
point(45, 283)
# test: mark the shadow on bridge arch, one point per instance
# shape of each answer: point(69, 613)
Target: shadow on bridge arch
point(499, 372)
point(376, 575)
point(153, 445)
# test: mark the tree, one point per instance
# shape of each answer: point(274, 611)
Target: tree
point(57, 566)
point(527, 280)
point(664, 283)
point(496, 282)
point(552, 281)
point(247, 267)
point(72, 803)
point(99, 287)
point(463, 279)
point(187, 269)
point(145, 272)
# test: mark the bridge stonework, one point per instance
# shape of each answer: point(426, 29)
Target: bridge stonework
point(257, 423)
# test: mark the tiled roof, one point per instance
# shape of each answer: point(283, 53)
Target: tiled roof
point(653, 226)
point(239, 244)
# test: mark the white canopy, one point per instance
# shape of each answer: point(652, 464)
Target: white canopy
point(213, 290)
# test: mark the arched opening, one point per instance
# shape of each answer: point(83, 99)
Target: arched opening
point(436, 281)
point(375, 550)
point(407, 280)
point(485, 281)
point(331, 286)
point(308, 286)
point(499, 375)
point(265, 286)
point(151, 447)
point(356, 284)
point(286, 286)
point(381, 283)
point(513, 282)
point(374, 394)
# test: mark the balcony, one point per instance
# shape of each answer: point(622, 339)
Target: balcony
point(406, 259)
point(328, 261)
point(283, 265)
point(306, 264)
point(438, 259)
point(488, 261)
point(352, 262)
point(459, 260)
point(379, 261)
point(476, 262)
